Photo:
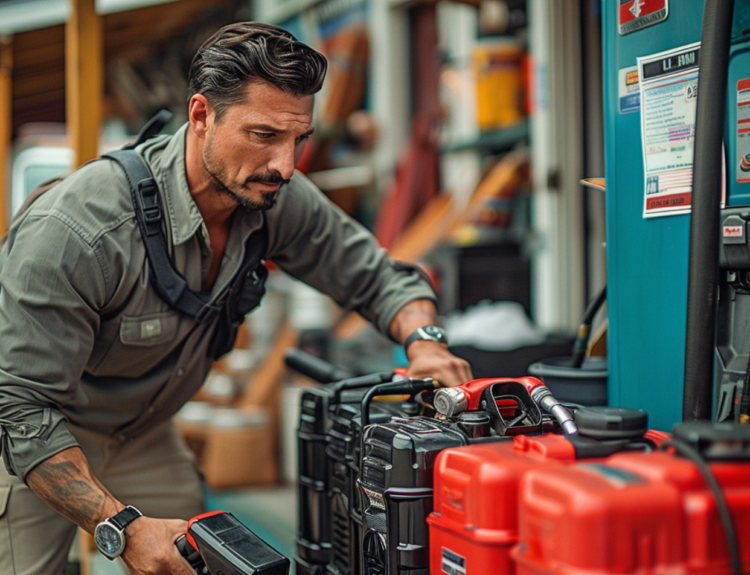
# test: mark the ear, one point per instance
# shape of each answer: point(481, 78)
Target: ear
point(200, 114)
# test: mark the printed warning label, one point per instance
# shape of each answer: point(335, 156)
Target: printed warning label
point(628, 88)
point(453, 563)
point(669, 90)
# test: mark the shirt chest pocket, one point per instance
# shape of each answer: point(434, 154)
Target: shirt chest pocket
point(130, 346)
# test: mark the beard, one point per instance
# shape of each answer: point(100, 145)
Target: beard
point(234, 191)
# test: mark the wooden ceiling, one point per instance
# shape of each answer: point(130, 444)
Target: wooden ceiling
point(135, 35)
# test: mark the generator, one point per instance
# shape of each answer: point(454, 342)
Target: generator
point(399, 458)
point(329, 519)
point(365, 466)
point(396, 484)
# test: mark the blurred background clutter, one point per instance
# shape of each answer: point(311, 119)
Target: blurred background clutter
point(453, 129)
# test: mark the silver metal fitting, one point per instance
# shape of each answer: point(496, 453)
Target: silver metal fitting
point(450, 401)
point(543, 397)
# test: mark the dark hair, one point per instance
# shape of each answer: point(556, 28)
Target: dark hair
point(246, 52)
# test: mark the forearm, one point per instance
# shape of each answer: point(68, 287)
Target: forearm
point(66, 483)
point(412, 316)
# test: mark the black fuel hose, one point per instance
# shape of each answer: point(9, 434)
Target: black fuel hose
point(314, 367)
point(584, 331)
point(405, 386)
point(704, 221)
point(686, 450)
point(360, 382)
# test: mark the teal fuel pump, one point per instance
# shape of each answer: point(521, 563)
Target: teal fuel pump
point(663, 87)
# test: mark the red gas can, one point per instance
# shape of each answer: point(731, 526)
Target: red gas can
point(474, 524)
point(635, 513)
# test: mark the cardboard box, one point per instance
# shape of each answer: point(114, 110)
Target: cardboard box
point(234, 447)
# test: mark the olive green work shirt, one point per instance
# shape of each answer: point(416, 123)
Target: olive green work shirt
point(83, 334)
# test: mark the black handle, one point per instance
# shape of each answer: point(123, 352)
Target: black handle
point(584, 331)
point(318, 369)
point(406, 386)
point(190, 554)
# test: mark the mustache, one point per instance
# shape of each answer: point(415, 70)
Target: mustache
point(267, 178)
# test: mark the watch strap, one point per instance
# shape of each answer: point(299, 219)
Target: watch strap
point(429, 333)
point(125, 517)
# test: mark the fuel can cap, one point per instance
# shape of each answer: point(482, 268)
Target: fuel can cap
point(611, 422)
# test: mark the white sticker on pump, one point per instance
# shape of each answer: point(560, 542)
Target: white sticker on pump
point(733, 231)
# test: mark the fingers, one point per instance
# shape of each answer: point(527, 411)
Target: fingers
point(150, 547)
point(434, 360)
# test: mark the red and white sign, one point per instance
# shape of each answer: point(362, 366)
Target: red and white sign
point(733, 231)
point(637, 14)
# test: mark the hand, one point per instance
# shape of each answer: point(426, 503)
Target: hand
point(431, 359)
point(150, 548)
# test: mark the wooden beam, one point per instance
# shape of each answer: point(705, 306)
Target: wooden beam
point(83, 80)
point(6, 127)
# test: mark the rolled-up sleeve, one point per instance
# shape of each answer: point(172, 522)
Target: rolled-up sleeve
point(316, 242)
point(52, 280)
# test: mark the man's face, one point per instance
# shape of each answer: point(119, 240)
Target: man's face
point(253, 149)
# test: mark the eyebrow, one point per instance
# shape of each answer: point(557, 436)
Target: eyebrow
point(267, 128)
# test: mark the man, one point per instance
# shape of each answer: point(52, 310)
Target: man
point(93, 362)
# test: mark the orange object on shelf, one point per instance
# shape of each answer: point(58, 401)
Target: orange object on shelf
point(500, 85)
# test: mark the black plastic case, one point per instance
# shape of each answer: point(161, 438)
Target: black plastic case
point(329, 520)
point(396, 492)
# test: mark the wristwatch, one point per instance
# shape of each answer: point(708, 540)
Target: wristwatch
point(428, 332)
point(109, 535)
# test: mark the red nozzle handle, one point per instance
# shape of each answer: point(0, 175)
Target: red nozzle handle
point(473, 389)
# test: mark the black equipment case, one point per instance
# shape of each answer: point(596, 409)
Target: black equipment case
point(396, 492)
point(329, 526)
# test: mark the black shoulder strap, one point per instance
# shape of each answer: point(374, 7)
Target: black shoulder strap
point(247, 288)
point(152, 128)
point(167, 281)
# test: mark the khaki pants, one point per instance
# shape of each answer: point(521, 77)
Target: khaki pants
point(154, 472)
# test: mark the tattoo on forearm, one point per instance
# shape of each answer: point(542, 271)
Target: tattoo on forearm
point(65, 488)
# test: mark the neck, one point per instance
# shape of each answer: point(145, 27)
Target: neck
point(215, 208)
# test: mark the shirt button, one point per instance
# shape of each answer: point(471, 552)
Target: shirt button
point(151, 409)
point(180, 372)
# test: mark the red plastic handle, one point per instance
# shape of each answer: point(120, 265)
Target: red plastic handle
point(473, 389)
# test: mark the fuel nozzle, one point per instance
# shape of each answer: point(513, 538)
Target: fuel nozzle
point(450, 401)
point(543, 397)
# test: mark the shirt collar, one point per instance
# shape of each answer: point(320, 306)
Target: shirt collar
point(166, 156)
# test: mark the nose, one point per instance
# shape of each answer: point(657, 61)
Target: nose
point(283, 160)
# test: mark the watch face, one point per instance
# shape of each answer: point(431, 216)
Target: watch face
point(435, 331)
point(108, 540)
